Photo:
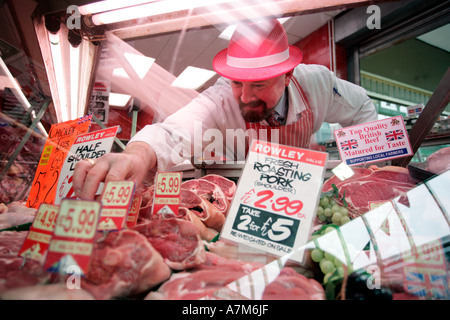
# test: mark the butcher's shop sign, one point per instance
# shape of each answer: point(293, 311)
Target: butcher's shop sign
point(276, 198)
point(380, 140)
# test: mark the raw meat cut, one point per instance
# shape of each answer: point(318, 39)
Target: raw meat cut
point(209, 191)
point(203, 280)
point(17, 272)
point(439, 161)
point(371, 184)
point(211, 277)
point(177, 241)
point(15, 214)
point(56, 291)
point(123, 263)
point(290, 285)
point(205, 233)
point(228, 186)
point(206, 211)
point(11, 242)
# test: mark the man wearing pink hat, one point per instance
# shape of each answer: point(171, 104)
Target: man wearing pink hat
point(265, 93)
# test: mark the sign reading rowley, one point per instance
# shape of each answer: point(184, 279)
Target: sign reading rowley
point(374, 141)
point(276, 198)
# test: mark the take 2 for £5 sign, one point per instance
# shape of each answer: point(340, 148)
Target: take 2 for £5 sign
point(276, 199)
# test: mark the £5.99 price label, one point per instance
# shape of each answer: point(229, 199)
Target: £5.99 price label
point(167, 193)
point(73, 236)
point(116, 201)
point(36, 244)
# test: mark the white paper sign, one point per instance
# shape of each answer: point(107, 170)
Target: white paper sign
point(276, 198)
point(90, 145)
point(374, 141)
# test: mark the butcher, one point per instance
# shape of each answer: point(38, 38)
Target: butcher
point(264, 91)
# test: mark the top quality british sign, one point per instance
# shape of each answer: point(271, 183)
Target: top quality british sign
point(374, 141)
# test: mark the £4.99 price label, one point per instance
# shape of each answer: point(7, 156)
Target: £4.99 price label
point(36, 244)
point(116, 201)
point(73, 236)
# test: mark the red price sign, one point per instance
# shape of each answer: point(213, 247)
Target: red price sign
point(265, 200)
point(168, 183)
point(74, 233)
point(116, 200)
point(36, 244)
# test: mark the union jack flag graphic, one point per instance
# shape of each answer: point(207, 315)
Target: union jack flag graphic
point(395, 135)
point(349, 144)
point(426, 282)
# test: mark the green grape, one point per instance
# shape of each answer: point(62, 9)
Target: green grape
point(326, 277)
point(319, 211)
point(326, 266)
point(327, 212)
point(324, 201)
point(340, 271)
point(336, 218)
point(329, 229)
point(337, 262)
point(332, 202)
point(322, 218)
point(329, 256)
point(343, 211)
point(335, 208)
point(345, 219)
point(316, 255)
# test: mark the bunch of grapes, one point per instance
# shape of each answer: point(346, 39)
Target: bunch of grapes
point(328, 264)
point(329, 211)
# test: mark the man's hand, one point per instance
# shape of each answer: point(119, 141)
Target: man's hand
point(132, 164)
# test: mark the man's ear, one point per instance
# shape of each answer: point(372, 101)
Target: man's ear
point(288, 77)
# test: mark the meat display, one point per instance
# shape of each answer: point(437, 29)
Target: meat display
point(123, 263)
point(228, 186)
point(370, 184)
point(209, 191)
point(177, 240)
point(207, 279)
point(439, 161)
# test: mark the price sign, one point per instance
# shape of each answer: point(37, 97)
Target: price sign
point(134, 211)
point(73, 236)
point(167, 193)
point(36, 244)
point(116, 200)
point(59, 141)
point(276, 199)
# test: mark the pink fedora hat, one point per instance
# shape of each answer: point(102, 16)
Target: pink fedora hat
point(257, 51)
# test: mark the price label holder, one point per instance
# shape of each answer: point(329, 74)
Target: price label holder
point(276, 199)
point(116, 201)
point(73, 237)
point(36, 244)
point(133, 214)
point(166, 199)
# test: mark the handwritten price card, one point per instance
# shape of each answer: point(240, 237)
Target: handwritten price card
point(59, 141)
point(276, 198)
point(73, 237)
point(90, 145)
point(167, 193)
point(38, 239)
point(374, 141)
point(116, 201)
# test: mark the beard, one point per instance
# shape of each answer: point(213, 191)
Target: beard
point(254, 111)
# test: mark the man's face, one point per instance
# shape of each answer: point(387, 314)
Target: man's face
point(257, 98)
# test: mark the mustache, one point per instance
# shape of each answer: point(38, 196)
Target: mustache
point(251, 104)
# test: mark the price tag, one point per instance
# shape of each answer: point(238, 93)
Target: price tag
point(276, 198)
point(36, 244)
point(59, 141)
point(116, 200)
point(134, 211)
point(73, 236)
point(167, 193)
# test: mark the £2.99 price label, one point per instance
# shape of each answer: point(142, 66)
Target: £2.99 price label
point(73, 236)
point(276, 199)
point(116, 201)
